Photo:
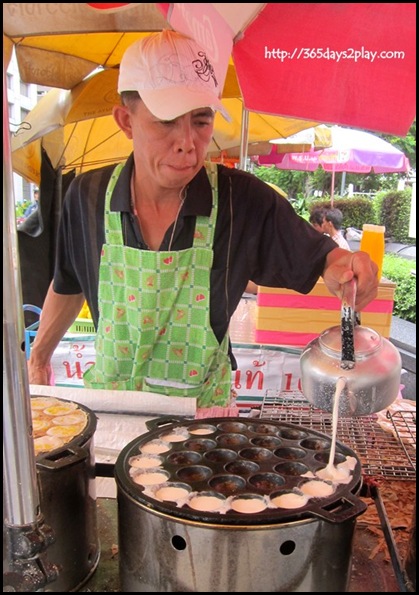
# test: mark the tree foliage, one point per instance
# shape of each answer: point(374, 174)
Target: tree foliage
point(407, 143)
point(393, 211)
point(402, 272)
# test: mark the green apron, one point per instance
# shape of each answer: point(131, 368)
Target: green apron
point(154, 331)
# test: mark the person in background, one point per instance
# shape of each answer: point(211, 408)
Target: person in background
point(329, 222)
point(162, 246)
point(332, 225)
point(317, 218)
point(33, 206)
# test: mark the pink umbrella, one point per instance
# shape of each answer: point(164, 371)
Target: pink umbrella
point(352, 151)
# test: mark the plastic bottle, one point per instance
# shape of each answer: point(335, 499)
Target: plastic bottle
point(372, 241)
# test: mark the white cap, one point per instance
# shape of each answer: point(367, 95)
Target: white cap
point(172, 74)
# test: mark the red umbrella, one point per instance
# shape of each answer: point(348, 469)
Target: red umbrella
point(341, 63)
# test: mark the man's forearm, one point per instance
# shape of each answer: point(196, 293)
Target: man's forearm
point(58, 314)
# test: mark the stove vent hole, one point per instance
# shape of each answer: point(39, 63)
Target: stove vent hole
point(178, 543)
point(287, 547)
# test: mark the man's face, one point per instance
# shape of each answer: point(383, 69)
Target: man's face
point(170, 152)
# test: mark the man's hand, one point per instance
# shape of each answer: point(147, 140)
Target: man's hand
point(342, 266)
point(40, 375)
point(58, 313)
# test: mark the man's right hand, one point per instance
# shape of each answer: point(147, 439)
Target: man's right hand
point(58, 313)
point(40, 375)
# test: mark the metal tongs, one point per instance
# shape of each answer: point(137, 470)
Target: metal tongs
point(349, 319)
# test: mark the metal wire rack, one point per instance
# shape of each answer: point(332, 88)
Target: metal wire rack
point(382, 453)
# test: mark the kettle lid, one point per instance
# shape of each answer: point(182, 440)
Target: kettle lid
point(366, 340)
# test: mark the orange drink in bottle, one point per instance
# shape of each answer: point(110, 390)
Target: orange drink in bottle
point(372, 241)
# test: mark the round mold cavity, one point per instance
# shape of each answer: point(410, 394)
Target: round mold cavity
point(207, 501)
point(151, 478)
point(256, 454)
point(155, 447)
point(200, 444)
point(266, 441)
point(335, 474)
point(248, 503)
point(290, 453)
point(232, 426)
point(289, 500)
point(315, 444)
point(266, 482)
point(291, 468)
point(60, 408)
point(292, 434)
point(178, 435)
point(194, 473)
point(316, 488)
point(242, 467)
point(323, 457)
point(220, 455)
point(202, 430)
point(231, 439)
point(40, 425)
point(264, 429)
point(227, 485)
point(144, 461)
point(184, 457)
point(173, 492)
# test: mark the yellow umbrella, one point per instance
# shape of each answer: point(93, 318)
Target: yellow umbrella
point(321, 68)
point(77, 130)
point(58, 44)
point(318, 137)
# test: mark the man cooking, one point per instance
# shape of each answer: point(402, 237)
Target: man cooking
point(162, 246)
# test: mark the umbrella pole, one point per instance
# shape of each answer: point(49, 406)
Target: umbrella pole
point(25, 534)
point(19, 475)
point(244, 137)
point(343, 183)
point(332, 190)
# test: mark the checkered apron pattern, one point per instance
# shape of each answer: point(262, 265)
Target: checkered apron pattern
point(154, 330)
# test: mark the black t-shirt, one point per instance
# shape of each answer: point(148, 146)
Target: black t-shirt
point(258, 237)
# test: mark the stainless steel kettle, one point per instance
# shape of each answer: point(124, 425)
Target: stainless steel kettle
point(370, 364)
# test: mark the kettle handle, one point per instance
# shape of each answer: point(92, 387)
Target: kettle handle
point(348, 320)
point(350, 288)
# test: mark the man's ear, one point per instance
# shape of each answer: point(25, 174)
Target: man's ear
point(122, 117)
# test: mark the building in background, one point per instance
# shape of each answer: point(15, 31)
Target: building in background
point(21, 98)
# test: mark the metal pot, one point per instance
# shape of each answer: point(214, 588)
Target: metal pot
point(66, 482)
point(167, 546)
point(369, 363)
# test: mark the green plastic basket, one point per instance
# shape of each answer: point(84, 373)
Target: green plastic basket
point(82, 326)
